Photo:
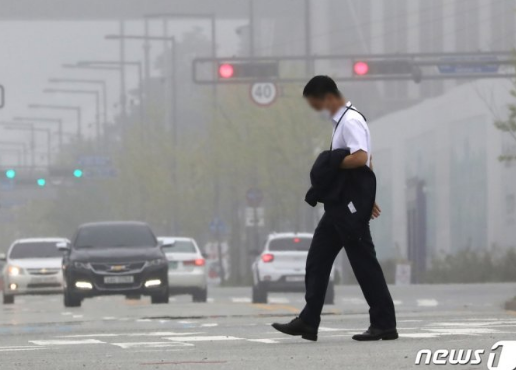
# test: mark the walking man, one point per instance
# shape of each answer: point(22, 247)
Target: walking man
point(349, 203)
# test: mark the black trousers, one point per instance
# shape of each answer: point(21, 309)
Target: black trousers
point(328, 240)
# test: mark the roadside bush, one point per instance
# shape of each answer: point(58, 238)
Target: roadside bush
point(473, 267)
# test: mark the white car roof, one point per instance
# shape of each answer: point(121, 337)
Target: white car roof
point(290, 235)
point(37, 240)
point(175, 238)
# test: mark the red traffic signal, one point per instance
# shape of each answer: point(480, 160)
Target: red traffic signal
point(226, 70)
point(360, 68)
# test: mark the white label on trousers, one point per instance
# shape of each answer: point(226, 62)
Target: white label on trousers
point(351, 207)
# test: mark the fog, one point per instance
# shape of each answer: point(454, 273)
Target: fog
point(147, 136)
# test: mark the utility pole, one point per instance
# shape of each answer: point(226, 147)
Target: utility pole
point(123, 98)
point(251, 28)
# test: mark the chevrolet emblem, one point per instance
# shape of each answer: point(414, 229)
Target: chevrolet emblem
point(118, 268)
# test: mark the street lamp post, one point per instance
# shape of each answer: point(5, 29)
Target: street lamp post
point(119, 65)
point(24, 126)
point(67, 108)
point(100, 83)
point(95, 93)
point(170, 76)
point(58, 121)
point(23, 147)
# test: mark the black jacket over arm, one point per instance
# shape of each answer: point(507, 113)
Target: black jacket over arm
point(347, 194)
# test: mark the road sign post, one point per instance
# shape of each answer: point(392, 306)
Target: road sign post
point(218, 228)
point(263, 94)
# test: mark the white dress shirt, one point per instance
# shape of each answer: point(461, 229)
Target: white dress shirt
point(352, 133)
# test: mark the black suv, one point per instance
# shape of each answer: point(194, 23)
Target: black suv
point(108, 258)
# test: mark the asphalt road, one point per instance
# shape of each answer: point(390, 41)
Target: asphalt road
point(229, 332)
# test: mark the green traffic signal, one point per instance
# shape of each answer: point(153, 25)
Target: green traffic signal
point(10, 173)
point(41, 182)
point(78, 173)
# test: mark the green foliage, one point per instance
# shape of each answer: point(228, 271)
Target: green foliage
point(508, 126)
point(473, 267)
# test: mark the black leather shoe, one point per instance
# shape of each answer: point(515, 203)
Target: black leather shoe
point(376, 334)
point(297, 327)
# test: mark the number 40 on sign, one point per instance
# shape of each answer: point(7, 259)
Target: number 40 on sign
point(263, 93)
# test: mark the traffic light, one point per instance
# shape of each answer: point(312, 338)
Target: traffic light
point(77, 173)
point(10, 173)
point(393, 67)
point(360, 68)
point(248, 70)
point(41, 182)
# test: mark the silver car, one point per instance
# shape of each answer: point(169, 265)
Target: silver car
point(186, 268)
point(33, 266)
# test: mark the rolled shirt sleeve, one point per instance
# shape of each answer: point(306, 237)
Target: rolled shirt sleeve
point(355, 136)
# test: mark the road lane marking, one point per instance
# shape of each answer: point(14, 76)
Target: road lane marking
point(397, 303)
point(356, 301)
point(276, 307)
point(151, 334)
point(427, 303)
point(21, 349)
point(210, 325)
point(151, 345)
point(266, 341)
point(65, 342)
point(280, 300)
point(203, 338)
point(241, 300)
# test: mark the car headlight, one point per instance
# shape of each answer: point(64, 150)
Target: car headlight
point(14, 271)
point(82, 265)
point(157, 262)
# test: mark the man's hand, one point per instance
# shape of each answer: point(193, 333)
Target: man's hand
point(376, 211)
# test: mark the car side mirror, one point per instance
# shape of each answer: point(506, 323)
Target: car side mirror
point(3, 257)
point(63, 246)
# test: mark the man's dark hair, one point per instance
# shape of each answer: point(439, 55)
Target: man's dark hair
point(319, 86)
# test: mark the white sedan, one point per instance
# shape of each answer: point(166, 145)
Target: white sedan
point(186, 267)
point(34, 266)
point(281, 267)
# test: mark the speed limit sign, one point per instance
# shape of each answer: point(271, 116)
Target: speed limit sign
point(264, 93)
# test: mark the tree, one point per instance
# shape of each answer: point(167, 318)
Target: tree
point(508, 126)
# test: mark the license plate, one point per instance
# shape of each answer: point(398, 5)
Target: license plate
point(44, 280)
point(172, 265)
point(295, 279)
point(118, 279)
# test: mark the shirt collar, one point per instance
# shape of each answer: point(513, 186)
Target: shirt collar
point(340, 112)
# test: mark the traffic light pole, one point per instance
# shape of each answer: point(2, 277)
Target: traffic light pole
point(416, 60)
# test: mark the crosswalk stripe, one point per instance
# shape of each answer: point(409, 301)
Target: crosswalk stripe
point(151, 345)
point(427, 303)
point(65, 342)
point(203, 338)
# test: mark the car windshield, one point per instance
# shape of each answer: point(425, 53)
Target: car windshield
point(115, 236)
point(181, 246)
point(290, 244)
point(35, 250)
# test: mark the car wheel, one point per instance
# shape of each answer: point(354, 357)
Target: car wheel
point(133, 297)
point(8, 299)
point(259, 294)
point(71, 300)
point(200, 295)
point(160, 298)
point(330, 294)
